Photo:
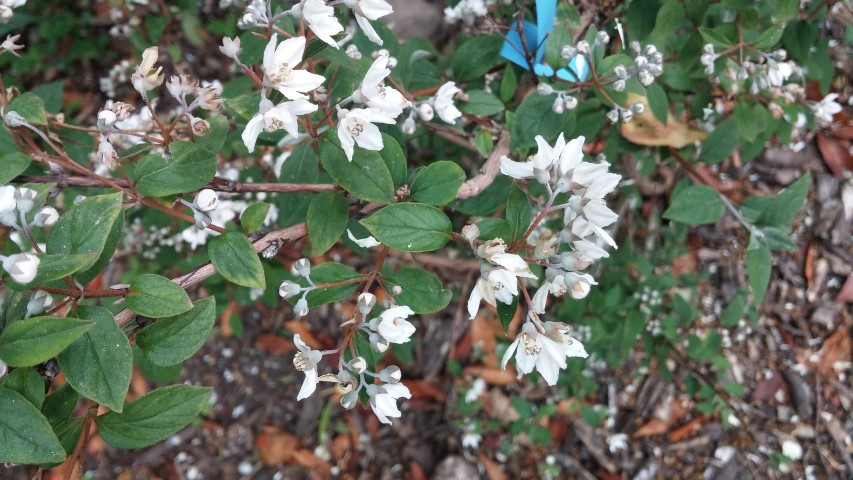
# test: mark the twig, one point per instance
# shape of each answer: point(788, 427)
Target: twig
point(489, 170)
point(219, 185)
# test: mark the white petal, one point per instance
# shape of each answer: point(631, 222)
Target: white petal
point(308, 385)
point(597, 212)
point(514, 263)
point(253, 129)
point(474, 300)
point(368, 30)
point(304, 81)
point(367, 242)
point(574, 349)
point(509, 351)
point(290, 52)
point(370, 138)
point(540, 298)
point(571, 155)
point(302, 346)
point(519, 170)
point(397, 390)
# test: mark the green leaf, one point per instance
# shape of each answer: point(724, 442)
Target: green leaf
point(60, 404)
point(28, 383)
point(172, 340)
point(68, 431)
point(658, 102)
point(12, 164)
point(755, 115)
point(136, 150)
point(113, 237)
point(53, 267)
point(715, 38)
point(410, 227)
point(329, 272)
point(253, 217)
point(494, 228)
point(327, 220)
point(721, 142)
point(759, 263)
point(517, 213)
point(422, 292)
point(438, 183)
point(507, 312)
point(395, 159)
point(156, 296)
point(481, 103)
point(475, 57)
point(99, 364)
point(734, 311)
point(245, 105)
point(366, 177)
point(695, 205)
point(769, 38)
point(780, 210)
point(535, 117)
point(25, 435)
point(190, 168)
point(484, 142)
point(787, 10)
point(29, 106)
point(85, 227)
point(215, 138)
point(234, 257)
point(774, 238)
point(153, 417)
point(301, 167)
point(153, 372)
point(509, 83)
point(38, 339)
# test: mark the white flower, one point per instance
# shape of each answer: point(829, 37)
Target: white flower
point(393, 325)
point(206, 200)
point(826, 108)
point(579, 284)
point(280, 60)
point(25, 199)
point(778, 73)
point(145, 77)
point(369, 10)
point(306, 360)
point(498, 284)
point(375, 94)
point(514, 263)
point(271, 118)
point(383, 400)
point(22, 267)
point(39, 302)
point(320, 19)
point(465, 11)
point(230, 48)
point(792, 449)
point(588, 213)
point(538, 166)
point(617, 442)
point(443, 102)
point(544, 352)
point(8, 206)
point(47, 217)
point(366, 242)
point(10, 46)
point(554, 286)
point(356, 127)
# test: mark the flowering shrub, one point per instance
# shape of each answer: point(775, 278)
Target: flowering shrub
point(503, 148)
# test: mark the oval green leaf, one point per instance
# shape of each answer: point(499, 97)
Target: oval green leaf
point(327, 219)
point(695, 205)
point(410, 227)
point(234, 257)
point(25, 435)
point(38, 339)
point(437, 183)
point(170, 341)
point(156, 296)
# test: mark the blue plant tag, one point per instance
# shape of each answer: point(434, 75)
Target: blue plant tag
point(576, 71)
point(535, 34)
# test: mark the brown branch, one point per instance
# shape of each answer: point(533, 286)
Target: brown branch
point(488, 172)
point(217, 184)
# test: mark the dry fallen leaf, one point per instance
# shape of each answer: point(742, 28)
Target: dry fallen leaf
point(493, 470)
point(646, 129)
point(272, 343)
point(834, 155)
point(837, 348)
point(845, 295)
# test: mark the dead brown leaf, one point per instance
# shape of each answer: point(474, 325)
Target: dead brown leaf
point(272, 343)
point(687, 429)
point(275, 446)
point(492, 468)
point(837, 348)
point(665, 417)
point(834, 154)
point(845, 295)
point(296, 326)
point(493, 375)
point(767, 388)
point(646, 129)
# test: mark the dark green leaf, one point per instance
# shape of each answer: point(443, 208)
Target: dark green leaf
point(172, 340)
point(327, 220)
point(85, 227)
point(475, 57)
point(481, 103)
point(721, 142)
point(253, 217)
point(395, 159)
point(769, 38)
point(38, 339)
point(60, 404)
point(156, 296)
point(517, 213)
point(658, 102)
point(366, 177)
point(438, 183)
point(235, 258)
point(422, 292)
point(507, 312)
point(509, 82)
point(695, 205)
point(715, 38)
point(301, 167)
point(25, 435)
point(190, 168)
point(68, 431)
point(153, 417)
point(535, 117)
point(215, 137)
point(12, 164)
point(410, 227)
point(28, 383)
point(99, 364)
point(329, 272)
point(759, 263)
point(779, 210)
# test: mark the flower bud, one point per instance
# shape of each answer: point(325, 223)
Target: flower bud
point(567, 52)
point(358, 365)
point(14, 119)
point(708, 48)
point(620, 71)
point(638, 108)
point(289, 289)
point(353, 53)
point(25, 198)
point(208, 98)
point(544, 89)
point(570, 102)
point(649, 50)
point(602, 37)
point(301, 268)
point(641, 61)
point(349, 400)
point(626, 115)
point(206, 200)
point(107, 154)
point(396, 290)
point(22, 267)
point(107, 118)
point(471, 232)
point(646, 78)
point(366, 302)
point(557, 107)
point(382, 52)
point(619, 85)
point(392, 62)
point(47, 217)
point(425, 112)
point(200, 126)
point(613, 116)
point(4, 369)
point(378, 342)
point(583, 47)
point(39, 302)
point(391, 374)
point(301, 307)
point(409, 126)
point(635, 46)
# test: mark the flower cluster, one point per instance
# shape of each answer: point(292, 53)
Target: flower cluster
point(467, 11)
point(6, 7)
